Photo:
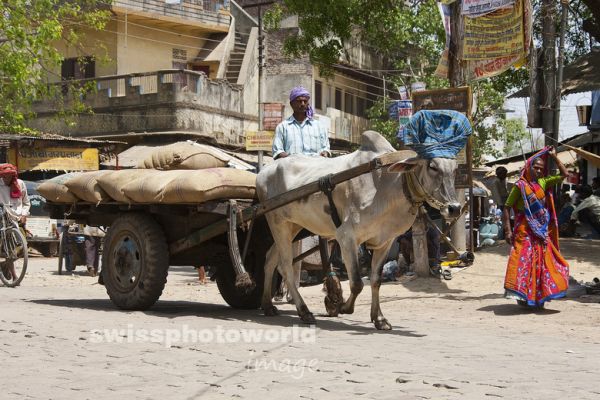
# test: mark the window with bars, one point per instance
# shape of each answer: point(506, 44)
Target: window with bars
point(318, 95)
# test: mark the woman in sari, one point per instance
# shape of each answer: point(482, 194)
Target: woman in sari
point(536, 270)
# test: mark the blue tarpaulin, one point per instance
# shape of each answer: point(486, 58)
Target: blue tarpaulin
point(436, 133)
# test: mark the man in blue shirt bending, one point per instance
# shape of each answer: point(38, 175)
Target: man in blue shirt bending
point(300, 133)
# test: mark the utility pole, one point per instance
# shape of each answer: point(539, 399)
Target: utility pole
point(261, 48)
point(561, 63)
point(261, 65)
point(457, 78)
point(549, 99)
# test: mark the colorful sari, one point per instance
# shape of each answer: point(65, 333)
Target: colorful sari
point(536, 270)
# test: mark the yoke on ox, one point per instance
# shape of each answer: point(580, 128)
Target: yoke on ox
point(374, 208)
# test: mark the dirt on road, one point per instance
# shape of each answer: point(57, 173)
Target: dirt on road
point(61, 338)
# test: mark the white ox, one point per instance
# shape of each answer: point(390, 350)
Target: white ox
point(373, 208)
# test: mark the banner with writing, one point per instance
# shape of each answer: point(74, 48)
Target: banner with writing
point(495, 35)
point(477, 8)
point(54, 158)
point(443, 64)
point(481, 69)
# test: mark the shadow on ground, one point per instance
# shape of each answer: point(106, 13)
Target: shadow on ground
point(175, 309)
point(515, 309)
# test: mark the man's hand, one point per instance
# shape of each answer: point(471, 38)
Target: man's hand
point(552, 151)
point(508, 237)
point(22, 219)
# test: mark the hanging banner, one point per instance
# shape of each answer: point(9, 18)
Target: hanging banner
point(443, 64)
point(477, 8)
point(481, 69)
point(495, 35)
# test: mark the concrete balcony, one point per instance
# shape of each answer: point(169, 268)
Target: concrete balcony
point(167, 101)
point(210, 15)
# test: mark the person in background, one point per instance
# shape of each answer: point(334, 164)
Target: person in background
point(596, 185)
point(500, 188)
point(13, 195)
point(201, 274)
point(564, 216)
point(536, 271)
point(93, 236)
point(588, 211)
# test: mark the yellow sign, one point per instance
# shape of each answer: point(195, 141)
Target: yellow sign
point(495, 35)
point(262, 140)
point(54, 158)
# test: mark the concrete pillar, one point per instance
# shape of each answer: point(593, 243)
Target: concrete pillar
point(458, 233)
point(419, 239)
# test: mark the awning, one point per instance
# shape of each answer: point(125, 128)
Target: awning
point(568, 158)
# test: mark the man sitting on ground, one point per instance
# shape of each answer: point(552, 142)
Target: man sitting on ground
point(588, 211)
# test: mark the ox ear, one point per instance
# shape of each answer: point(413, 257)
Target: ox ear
point(403, 165)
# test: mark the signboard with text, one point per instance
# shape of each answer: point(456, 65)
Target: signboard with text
point(457, 99)
point(272, 115)
point(257, 141)
point(54, 158)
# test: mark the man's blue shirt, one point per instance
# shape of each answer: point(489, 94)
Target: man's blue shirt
point(308, 137)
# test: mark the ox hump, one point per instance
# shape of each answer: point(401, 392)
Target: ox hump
point(374, 142)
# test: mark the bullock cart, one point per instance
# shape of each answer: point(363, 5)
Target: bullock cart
point(232, 235)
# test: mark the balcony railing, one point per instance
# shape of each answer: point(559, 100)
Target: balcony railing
point(208, 11)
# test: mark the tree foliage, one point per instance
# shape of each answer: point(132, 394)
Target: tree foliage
point(29, 31)
point(410, 34)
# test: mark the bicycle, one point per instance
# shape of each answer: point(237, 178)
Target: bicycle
point(13, 249)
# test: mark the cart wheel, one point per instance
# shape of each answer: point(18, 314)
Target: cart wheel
point(254, 263)
point(14, 257)
point(135, 261)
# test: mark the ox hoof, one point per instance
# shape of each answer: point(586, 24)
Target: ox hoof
point(308, 318)
point(332, 307)
point(347, 309)
point(271, 311)
point(382, 325)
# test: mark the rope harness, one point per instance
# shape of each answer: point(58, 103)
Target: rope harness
point(326, 186)
point(412, 188)
point(417, 194)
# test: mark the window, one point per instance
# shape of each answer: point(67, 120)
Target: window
point(349, 103)
point(78, 68)
point(318, 95)
point(361, 110)
point(338, 99)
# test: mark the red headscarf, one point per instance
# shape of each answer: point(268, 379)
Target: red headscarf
point(11, 171)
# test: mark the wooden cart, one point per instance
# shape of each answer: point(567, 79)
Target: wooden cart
point(143, 240)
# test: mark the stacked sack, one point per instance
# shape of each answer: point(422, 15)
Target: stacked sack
point(175, 174)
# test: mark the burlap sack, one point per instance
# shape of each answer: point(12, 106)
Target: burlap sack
point(185, 155)
point(210, 184)
point(85, 186)
point(114, 181)
point(150, 188)
point(55, 190)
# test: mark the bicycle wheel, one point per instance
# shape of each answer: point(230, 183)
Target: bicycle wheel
point(14, 263)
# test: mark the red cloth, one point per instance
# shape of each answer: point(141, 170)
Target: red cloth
point(11, 171)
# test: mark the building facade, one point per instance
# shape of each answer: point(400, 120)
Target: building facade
point(190, 67)
point(186, 66)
